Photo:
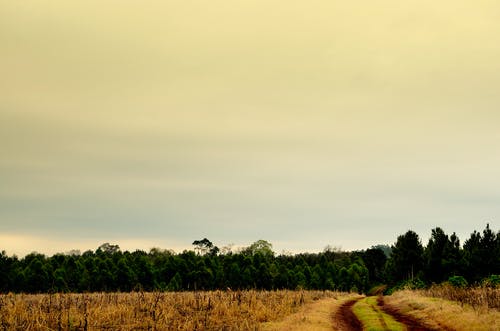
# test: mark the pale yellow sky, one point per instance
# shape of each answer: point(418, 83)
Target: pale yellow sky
point(292, 121)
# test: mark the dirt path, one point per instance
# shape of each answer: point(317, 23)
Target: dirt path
point(410, 323)
point(324, 314)
point(345, 318)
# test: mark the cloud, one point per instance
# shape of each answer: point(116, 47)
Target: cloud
point(186, 120)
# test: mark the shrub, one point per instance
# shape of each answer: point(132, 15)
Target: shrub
point(457, 281)
point(410, 284)
point(492, 281)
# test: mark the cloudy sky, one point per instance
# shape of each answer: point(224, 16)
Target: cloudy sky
point(304, 123)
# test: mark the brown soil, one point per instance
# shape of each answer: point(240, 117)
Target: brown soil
point(345, 318)
point(410, 323)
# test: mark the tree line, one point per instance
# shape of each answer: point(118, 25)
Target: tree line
point(206, 267)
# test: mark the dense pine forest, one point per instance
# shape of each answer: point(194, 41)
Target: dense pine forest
point(207, 267)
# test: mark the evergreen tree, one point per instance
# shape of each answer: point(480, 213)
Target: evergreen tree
point(406, 260)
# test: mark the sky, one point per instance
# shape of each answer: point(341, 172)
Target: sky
point(303, 123)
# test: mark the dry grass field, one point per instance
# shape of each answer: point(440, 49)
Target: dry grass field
point(481, 298)
point(438, 308)
point(218, 310)
point(314, 316)
point(447, 308)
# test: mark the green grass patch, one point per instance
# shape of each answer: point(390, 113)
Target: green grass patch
point(373, 318)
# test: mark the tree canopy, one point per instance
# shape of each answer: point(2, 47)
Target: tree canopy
point(108, 268)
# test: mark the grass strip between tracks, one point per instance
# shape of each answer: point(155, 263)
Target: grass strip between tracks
point(373, 318)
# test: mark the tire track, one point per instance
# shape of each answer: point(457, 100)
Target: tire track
point(346, 319)
point(410, 323)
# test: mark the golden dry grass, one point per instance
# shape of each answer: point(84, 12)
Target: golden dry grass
point(217, 310)
point(482, 297)
point(444, 314)
point(314, 316)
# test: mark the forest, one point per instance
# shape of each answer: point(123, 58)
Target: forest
point(206, 267)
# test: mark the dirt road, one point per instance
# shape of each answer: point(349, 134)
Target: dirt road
point(338, 314)
point(346, 320)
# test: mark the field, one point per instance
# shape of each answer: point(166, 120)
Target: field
point(438, 308)
point(446, 308)
point(217, 310)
